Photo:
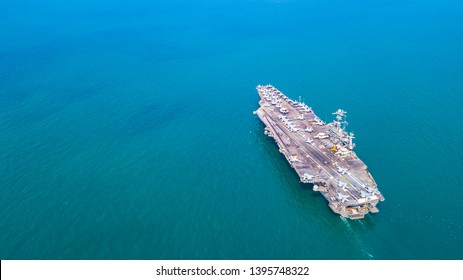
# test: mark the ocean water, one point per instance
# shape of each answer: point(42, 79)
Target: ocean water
point(126, 127)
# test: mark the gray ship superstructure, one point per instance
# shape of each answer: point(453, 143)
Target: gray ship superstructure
point(320, 153)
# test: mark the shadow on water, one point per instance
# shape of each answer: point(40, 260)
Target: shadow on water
point(154, 116)
point(55, 101)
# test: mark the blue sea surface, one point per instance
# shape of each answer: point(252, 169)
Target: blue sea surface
point(126, 127)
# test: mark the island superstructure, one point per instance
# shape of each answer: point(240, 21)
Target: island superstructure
point(321, 153)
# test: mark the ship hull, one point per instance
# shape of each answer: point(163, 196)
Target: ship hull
point(319, 153)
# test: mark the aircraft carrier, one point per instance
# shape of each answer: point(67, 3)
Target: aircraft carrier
point(321, 153)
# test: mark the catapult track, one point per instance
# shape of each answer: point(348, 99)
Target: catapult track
point(321, 154)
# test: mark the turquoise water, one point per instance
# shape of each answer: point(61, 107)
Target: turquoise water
point(127, 129)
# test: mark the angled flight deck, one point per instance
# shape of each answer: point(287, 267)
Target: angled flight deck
point(321, 154)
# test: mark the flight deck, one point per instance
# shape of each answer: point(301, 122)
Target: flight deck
point(321, 154)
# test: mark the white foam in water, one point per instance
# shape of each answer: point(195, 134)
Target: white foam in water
point(356, 237)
